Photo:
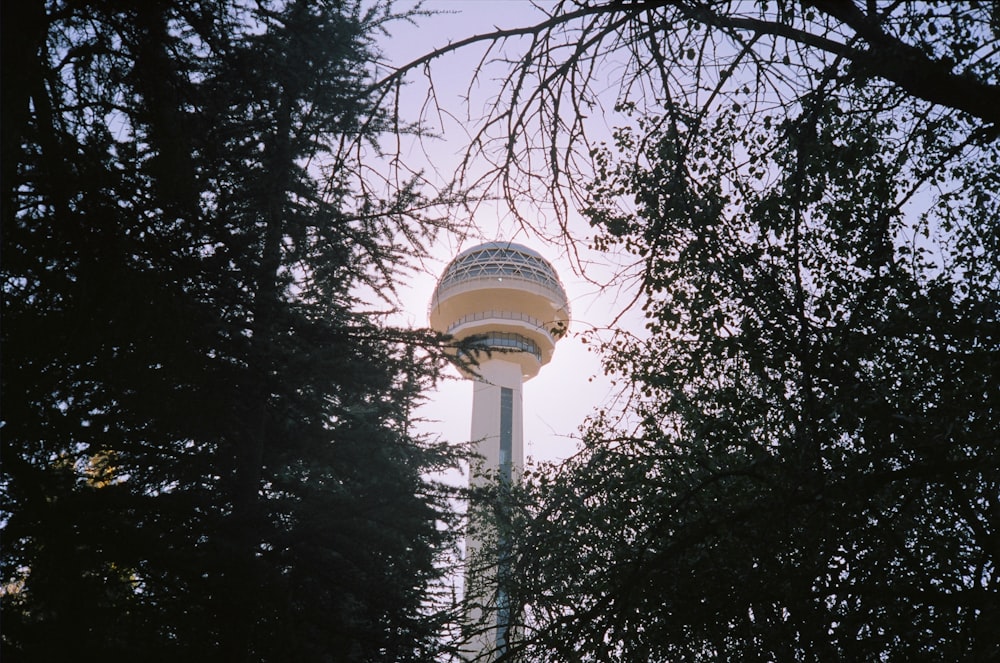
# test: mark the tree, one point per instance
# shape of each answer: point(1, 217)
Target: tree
point(563, 77)
point(806, 467)
point(208, 447)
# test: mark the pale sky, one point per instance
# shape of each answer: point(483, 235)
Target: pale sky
point(571, 386)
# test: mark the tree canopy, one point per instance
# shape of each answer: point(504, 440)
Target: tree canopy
point(805, 466)
point(208, 447)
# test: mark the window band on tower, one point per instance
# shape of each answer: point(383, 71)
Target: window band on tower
point(506, 433)
point(503, 551)
point(509, 341)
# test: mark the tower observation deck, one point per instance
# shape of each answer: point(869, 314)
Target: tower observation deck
point(507, 299)
point(510, 296)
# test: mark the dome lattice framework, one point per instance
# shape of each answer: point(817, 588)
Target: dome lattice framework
point(501, 260)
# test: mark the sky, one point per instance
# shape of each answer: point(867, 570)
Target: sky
point(572, 385)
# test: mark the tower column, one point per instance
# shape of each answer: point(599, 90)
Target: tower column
point(492, 442)
point(498, 435)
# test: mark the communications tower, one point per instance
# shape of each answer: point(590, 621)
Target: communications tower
point(506, 299)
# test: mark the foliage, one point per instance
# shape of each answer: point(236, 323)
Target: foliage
point(807, 468)
point(208, 450)
point(807, 465)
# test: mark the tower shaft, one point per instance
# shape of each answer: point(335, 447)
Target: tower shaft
point(505, 307)
point(497, 417)
point(498, 435)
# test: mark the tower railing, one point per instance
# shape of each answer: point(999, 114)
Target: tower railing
point(499, 315)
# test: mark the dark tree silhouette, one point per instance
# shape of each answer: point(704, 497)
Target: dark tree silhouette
point(805, 463)
point(208, 452)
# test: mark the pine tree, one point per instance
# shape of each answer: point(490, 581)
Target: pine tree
point(208, 452)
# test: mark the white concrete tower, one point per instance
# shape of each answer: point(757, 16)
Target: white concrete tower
point(510, 299)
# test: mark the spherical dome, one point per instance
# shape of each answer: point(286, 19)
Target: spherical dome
point(508, 295)
point(497, 261)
